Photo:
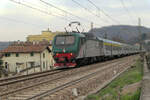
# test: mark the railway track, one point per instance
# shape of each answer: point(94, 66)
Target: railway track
point(8, 84)
point(11, 80)
point(42, 88)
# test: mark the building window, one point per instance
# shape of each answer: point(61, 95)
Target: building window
point(6, 65)
point(43, 64)
point(17, 54)
point(32, 54)
point(7, 55)
point(43, 55)
point(32, 64)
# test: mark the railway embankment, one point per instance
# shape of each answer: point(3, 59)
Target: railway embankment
point(127, 86)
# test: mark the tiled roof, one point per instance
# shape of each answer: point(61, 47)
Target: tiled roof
point(24, 49)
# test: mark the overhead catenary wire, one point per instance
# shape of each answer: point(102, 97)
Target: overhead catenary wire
point(107, 15)
point(89, 11)
point(62, 9)
point(70, 13)
point(42, 11)
point(61, 15)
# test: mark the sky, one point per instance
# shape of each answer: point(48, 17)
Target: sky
point(30, 17)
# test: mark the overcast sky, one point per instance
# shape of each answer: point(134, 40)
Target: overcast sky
point(18, 21)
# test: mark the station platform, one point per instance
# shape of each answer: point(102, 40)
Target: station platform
point(145, 92)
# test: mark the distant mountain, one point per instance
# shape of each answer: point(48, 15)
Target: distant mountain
point(122, 33)
point(4, 45)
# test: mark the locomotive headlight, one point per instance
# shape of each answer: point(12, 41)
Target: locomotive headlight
point(57, 54)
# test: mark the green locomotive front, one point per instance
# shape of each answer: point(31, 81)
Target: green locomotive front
point(65, 49)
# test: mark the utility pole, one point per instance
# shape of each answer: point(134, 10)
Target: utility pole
point(92, 27)
point(140, 34)
point(139, 24)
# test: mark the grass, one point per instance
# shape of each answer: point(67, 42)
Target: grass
point(111, 92)
point(134, 96)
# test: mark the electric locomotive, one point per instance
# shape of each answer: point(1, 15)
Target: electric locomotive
point(65, 49)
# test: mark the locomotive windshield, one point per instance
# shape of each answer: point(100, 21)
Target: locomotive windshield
point(65, 40)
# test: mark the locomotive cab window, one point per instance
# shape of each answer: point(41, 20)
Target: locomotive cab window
point(65, 40)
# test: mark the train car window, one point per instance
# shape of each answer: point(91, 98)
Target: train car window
point(101, 44)
point(97, 43)
point(113, 48)
point(108, 47)
point(118, 48)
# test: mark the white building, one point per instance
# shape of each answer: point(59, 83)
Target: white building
point(27, 56)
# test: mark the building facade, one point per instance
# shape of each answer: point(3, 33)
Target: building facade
point(23, 57)
point(45, 36)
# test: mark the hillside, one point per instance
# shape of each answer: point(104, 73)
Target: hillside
point(122, 33)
